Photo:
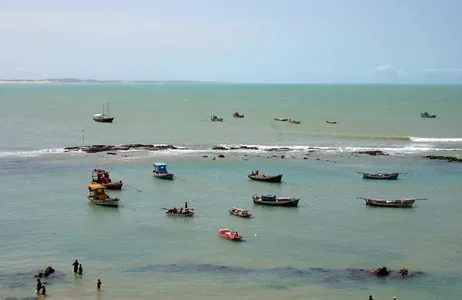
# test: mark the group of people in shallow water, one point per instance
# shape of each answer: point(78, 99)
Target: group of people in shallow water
point(77, 269)
point(180, 211)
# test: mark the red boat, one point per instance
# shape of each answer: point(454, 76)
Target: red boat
point(240, 212)
point(230, 235)
point(102, 177)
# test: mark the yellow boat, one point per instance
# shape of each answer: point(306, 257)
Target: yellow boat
point(99, 197)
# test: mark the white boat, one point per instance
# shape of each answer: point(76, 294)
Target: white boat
point(103, 118)
point(99, 197)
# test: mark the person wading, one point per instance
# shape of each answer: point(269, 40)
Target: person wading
point(76, 265)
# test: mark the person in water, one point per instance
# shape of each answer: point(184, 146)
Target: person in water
point(44, 290)
point(98, 284)
point(370, 297)
point(80, 269)
point(39, 285)
point(76, 265)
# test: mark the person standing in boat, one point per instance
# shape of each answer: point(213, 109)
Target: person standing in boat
point(185, 205)
point(76, 265)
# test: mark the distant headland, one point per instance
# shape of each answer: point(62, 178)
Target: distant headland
point(95, 81)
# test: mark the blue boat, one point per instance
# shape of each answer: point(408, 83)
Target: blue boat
point(160, 171)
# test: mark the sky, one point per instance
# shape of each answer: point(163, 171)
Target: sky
point(254, 41)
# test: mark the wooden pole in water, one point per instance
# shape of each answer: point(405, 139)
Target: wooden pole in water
point(83, 138)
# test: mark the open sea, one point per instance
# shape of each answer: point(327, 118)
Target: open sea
point(314, 251)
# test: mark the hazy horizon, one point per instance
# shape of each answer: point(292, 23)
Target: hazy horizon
point(298, 41)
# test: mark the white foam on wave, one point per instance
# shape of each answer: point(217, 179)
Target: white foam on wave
point(435, 140)
point(31, 153)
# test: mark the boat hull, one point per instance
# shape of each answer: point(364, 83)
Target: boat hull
point(273, 179)
point(234, 213)
point(167, 176)
point(238, 116)
point(385, 176)
point(331, 122)
point(190, 214)
point(111, 202)
point(281, 119)
point(103, 120)
point(227, 235)
point(112, 185)
point(405, 203)
point(281, 201)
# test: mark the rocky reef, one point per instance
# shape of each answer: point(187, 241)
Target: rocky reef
point(446, 158)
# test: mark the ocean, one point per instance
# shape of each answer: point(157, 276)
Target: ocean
point(315, 251)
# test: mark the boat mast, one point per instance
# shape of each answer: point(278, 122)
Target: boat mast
point(108, 108)
point(103, 109)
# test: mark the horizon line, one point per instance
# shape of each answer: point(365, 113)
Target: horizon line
point(70, 80)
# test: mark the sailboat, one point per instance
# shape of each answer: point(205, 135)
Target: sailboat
point(102, 118)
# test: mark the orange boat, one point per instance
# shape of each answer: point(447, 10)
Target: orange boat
point(230, 235)
point(102, 177)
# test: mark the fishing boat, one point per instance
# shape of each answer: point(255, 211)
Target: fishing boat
point(281, 119)
point(102, 177)
point(99, 197)
point(272, 200)
point(237, 115)
point(216, 119)
point(229, 234)
point(240, 212)
point(427, 115)
point(180, 213)
point(331, 122)
point(266, 178)
point(292, 121)
point(160, 171)
point(102, 118)
point(390, 203)
point(383, 176)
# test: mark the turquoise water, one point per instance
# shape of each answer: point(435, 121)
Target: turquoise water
point(139, 252)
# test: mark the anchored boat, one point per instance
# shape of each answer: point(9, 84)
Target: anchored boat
point(272, 200)
point(102, 118)
point(230, 234)
point(266, 178)
point(383, 176)
point(240, 212)
point(99, 197)
point(160, 171)
point(103, 177)
point(409, 202)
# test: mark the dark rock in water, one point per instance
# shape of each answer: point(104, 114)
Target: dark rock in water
point(382, 271)
point(373, 152)
point(403, 272)
point(221, 156)
point(105, 148)
point(111, 153)
point(244, 148)
point(279, 149)
point(446, 158)
point(204, 156)
point(282, 156)
point(219, 148)
point(48, 271)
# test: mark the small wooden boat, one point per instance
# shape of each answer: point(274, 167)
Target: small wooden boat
point(265, 178)
point(216, 119)
point(383, 176)
point(103, 177)
point(237, 115)
point(281, 119)
point(292, 121)
point(331, 122)
point(99, 197)
point(230, 235)
point(272, 200)
point(390, 203)
point(102, 118)
point(427, 115)
point(185, 213)
point(160, 171)
point(240, 212)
